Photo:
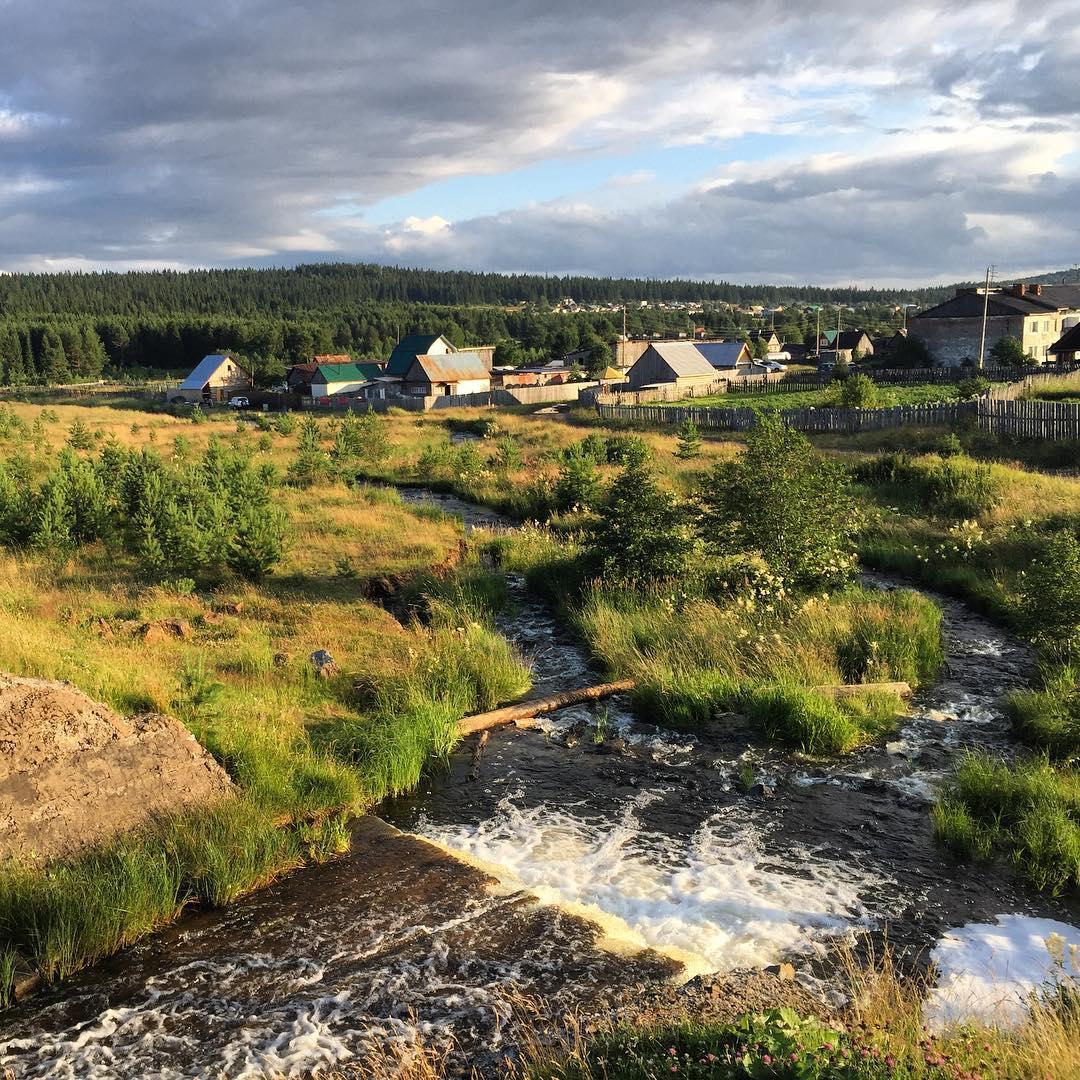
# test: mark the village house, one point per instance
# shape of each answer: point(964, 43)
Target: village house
point(446, 373)
point(299, 376)
point(772, 342)
point(412, 346)
point(850, 343)
point(217, 377)
point(673, 363)
point(334, 380)
point(1035, 314)
point(726, 356)
point(1066, 350)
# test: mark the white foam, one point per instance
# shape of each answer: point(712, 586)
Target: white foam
point(986, 971)
point(715, 901)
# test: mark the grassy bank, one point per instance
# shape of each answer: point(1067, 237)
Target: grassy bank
point(881, 1036)
point(304, 751)
point(696, 658)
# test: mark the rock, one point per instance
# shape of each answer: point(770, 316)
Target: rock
point(153, 633)
point(74, 773)
point(764, 791)
point(212, 618)
point(280, 659)
point(781, 971)
point(324, 665)
point(938, 716)
point(612, 746)
point(103, 627)
point(231, 607)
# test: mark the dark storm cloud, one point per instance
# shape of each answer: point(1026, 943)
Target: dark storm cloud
point(135, 132)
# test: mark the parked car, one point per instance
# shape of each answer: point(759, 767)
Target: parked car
point(773, 365)
point(239, 402)
point(281, 388)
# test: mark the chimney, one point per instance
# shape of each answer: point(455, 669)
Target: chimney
point(1035, 290)
point(1019, 289)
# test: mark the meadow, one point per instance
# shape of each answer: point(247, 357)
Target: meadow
point(306, 753)
point(728, 633)
point(829, 397)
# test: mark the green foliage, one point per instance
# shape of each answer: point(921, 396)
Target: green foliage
point(971, 388)
point(197, 415)
point(955, 487)
point(689, 440)
point(778, 1045)
point(80, 437)
point(578, 484)
point(360, 438)
point(1049, 600)
point(949, 445)
point(858, 392)
point(643, 534)
point(1029, 811)
point(1049, 718)
point(508, 456)
point(626, 450)
point(285, 424)
point(780, 499)
point(1008, 351)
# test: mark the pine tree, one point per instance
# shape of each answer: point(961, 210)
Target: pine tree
point(689, 440)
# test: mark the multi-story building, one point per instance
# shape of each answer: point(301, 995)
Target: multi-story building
point(1035, 314)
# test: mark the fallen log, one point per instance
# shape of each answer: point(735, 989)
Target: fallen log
point(900, 689)
point(526, 711)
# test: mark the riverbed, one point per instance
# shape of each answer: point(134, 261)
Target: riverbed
point(553, 871)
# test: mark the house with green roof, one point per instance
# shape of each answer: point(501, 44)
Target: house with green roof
point(412, 346)
point(330, 380)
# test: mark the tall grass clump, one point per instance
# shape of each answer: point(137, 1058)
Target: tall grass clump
point(1048, 718)
point(1029, 812)
point(74, 912)
point(693, 657)
point(954, 487)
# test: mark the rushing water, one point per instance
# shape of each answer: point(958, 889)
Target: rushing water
point(644, 839)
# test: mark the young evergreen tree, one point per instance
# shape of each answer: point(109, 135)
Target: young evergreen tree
point(642, 534)
point(689, 440)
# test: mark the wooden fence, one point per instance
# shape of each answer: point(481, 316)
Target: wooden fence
point(1023, 419)
point(1055, 420)
point(841, 421)
point(1021, 387)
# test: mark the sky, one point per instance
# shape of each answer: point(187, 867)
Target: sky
point(864, 142)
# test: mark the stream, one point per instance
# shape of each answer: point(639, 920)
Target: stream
point(649, 861)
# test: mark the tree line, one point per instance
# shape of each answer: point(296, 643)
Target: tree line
point(327, 287)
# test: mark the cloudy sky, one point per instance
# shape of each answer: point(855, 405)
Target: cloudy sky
point(844, 141)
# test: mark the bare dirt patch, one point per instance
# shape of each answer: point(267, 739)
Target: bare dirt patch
point(73, 772)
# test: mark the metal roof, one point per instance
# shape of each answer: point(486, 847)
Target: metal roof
point(1068, 342)
point(207, 368)
point(682, 357)
point(332, 373)
point(723, 354)
point(408, 349)
point(450, 368)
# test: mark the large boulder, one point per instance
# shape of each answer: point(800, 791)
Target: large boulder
point(73, 772)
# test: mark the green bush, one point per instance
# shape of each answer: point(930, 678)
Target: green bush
point(1049, 597)
point(785, 502)
point(858, 392)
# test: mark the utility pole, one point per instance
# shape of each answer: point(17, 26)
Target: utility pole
point(986, 305)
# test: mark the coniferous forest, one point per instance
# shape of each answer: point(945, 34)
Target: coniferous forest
point(76, 326)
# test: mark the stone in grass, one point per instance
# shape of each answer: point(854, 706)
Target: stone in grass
point(160, 630)
point(782, 971)
point(323, 663)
